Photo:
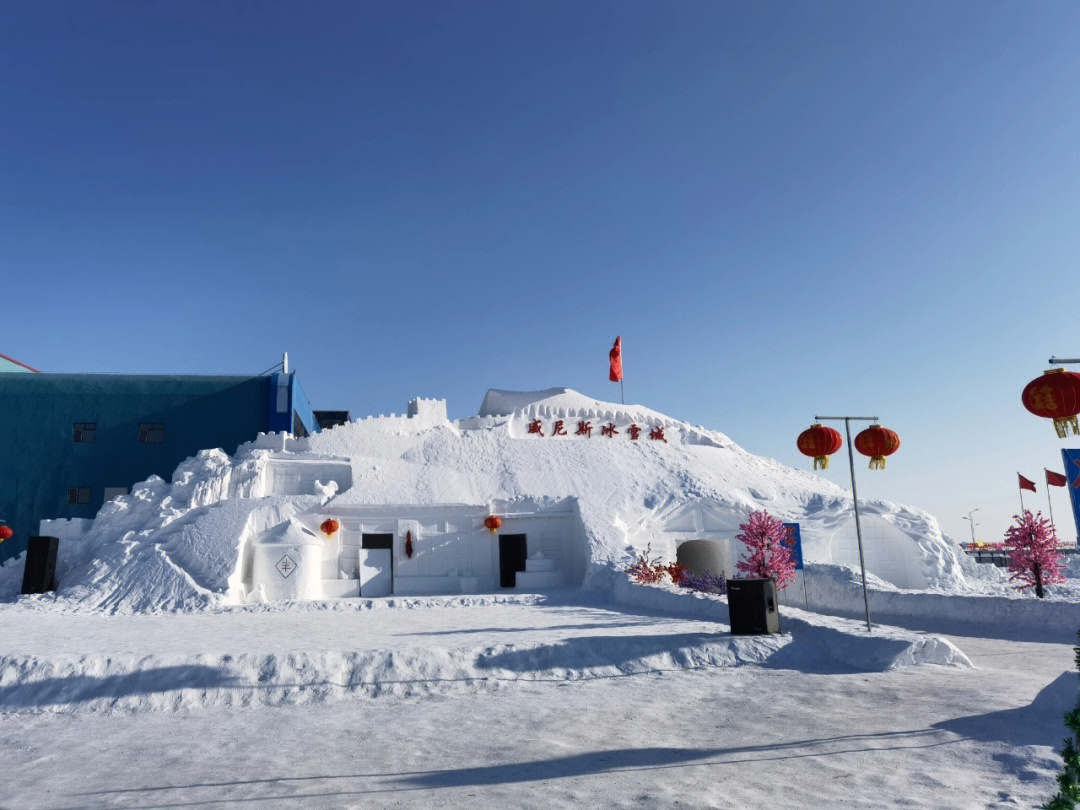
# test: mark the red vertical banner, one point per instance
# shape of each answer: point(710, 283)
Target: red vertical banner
point(615, 356)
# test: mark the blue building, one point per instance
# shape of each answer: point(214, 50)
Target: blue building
point(73, 441)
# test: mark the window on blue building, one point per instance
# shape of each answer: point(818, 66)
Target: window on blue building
point(79, 495)
point(151, 433)
point(84, 432)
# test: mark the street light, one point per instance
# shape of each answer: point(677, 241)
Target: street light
point(847, 420)
point(971, 520)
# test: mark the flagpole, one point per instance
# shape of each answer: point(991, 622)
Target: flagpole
point(622, 393)
point(855, 501)
point(1021, 500)
point(1050, 502)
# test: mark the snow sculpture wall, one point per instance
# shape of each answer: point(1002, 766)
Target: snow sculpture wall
point(65, 528)
point(890, 554)
point(286, 564)
point(291, 476)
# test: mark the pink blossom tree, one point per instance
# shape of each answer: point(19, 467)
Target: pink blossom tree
point(764, 535)
point(1034, 560)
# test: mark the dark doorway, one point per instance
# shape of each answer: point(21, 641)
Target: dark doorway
point(376, 565)
point(377, 541)
point(511, 558)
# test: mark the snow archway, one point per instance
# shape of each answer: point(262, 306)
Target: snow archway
point(702, 556)
point(890, 553)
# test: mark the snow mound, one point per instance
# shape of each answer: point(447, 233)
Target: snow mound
point(817, 643)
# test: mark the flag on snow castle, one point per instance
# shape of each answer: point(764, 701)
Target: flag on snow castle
point(615, 356)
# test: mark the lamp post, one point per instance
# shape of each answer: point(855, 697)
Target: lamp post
point(970, 519)
point(847, 420)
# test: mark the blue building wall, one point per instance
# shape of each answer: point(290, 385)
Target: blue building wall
point(40, 461)
point(301, 408)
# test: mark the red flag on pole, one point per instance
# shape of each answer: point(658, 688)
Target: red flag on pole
point(615, 355)
point(1054, 479)
point(1026, 484)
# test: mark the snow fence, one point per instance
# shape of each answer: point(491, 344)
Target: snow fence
point(837, 590)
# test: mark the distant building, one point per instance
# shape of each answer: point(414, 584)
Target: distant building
point(329, 419)
point(71, 442)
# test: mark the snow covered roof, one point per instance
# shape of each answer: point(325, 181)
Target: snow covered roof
point(289, 533)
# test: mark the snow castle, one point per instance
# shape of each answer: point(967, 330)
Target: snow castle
point(578, 485)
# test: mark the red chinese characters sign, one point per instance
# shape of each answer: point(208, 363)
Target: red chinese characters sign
point(584, 428)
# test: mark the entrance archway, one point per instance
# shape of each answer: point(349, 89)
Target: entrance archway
point(701, 556)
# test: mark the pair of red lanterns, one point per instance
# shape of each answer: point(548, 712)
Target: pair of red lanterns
point(1055, 395)
point(820, 442)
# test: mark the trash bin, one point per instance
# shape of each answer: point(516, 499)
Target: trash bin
point(752, 606)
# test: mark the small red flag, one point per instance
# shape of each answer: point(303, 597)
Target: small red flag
point(1054, 479)
point(1025, 484)
point(615, 355)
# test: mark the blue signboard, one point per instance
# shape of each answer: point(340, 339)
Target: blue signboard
point(1072, 472)
point(794, 538)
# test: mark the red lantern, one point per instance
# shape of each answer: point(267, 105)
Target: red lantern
point(329, 527)
point(877, 442)
point(820, 442)
point(1055, 395)
point(5, 533)
point(493, 522)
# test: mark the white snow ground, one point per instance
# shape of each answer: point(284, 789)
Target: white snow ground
point(53, 661)
point(631, 712)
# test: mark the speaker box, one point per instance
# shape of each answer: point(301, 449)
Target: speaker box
point(39, 575)
point(752, 606)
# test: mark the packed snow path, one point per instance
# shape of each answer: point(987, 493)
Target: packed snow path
point(927, 737)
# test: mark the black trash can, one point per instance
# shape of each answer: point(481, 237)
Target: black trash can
point(39, 575)
point(752, 607)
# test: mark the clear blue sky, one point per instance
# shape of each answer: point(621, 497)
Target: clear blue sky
point(783, 208)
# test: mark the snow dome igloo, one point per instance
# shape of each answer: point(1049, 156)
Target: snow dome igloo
point(579, 485)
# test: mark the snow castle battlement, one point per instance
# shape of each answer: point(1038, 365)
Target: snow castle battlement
point(431, 412)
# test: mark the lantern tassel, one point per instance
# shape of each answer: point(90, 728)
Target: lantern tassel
point(821, 462)
point(1063, 424)
point(877, 462)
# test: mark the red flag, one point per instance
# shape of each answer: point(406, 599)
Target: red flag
point(1025, 484)
point(1054, 479)
point(615, 355)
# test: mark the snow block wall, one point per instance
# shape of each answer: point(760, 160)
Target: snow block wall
point(588, 483)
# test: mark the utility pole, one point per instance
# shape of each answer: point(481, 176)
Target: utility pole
point(971, 519)
point(847, 420)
